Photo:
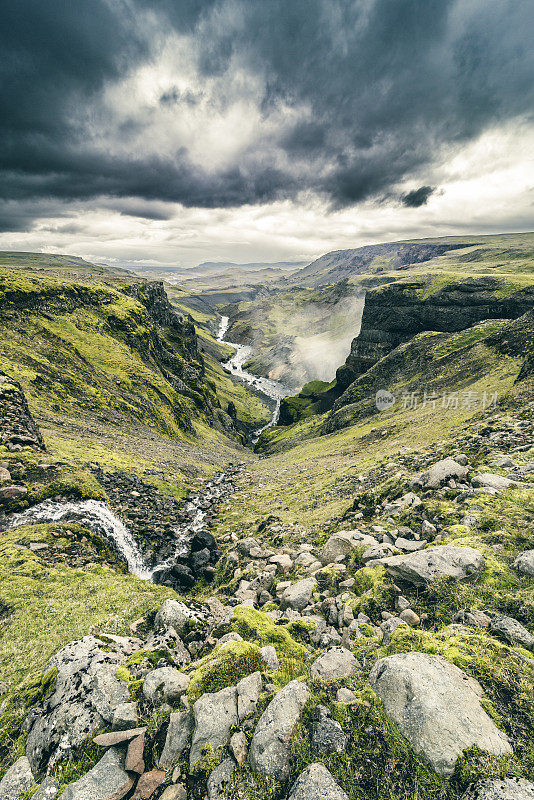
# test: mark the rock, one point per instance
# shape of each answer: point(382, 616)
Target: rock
point(268, 654)
point(282, 561)
point(406, 501)
point(48, 790)
point(441, 472)
point(147, 784)
point(134, 755)
point(125, 716)
point(270, 747)
point(117, 737)
point(433, 563)
point(388, 626)
point(175, 615)
point(326, 734)
point(165, 684)
point(511, 630)
point(487, 480)
point(248, 693)
point(5, 475)
point(316, 783)
point(298, 595)
point(507, 789)
point(427, 529)
point(524, 563)
point(334, 664)
point(17, 780)
point(84, 698)
point(345, 696)
point(215, 715)
point(377, 551)
point(179, 735)
point(12, 492)
point(437, 708)
point(239, 748)
point(219, 779)
point(473, 617)
point(410, 617)
point(107, 780)
point(233, 636)
point(340, 544)
point(177, 792)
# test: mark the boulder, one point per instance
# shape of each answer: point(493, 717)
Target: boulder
point(524, 563)
point(219, 779)
point(215, 715)
point(178, 737)
point(165, 684)
point(17, 780)
point(316, 783)
point(340, 544)
point(270, 747)
point(248, 692)
point(176, 792)
point(84, 698)
point(326, 734)
point(107, 780)
point(511, 630)
point(441, 472)
point(338, 662)
point(429, 565)
point(48, 790)
point(507, 789)
point(125, 716)
point(436, 707)
point(147, 784)
point(268, 654)
point(409, 500)
point(177, 616)
point(486, 480)
point(298, 595)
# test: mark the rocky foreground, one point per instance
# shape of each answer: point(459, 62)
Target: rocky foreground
point(396, 654)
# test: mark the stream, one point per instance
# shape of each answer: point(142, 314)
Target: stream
point(273, 390)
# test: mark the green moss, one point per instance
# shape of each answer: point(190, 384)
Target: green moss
point(224, 666)
point(124, 674)
point(259, 628)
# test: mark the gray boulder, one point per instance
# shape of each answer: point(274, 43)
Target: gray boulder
point(326, 734)
point(298, 595)
point(176, 616)
point(316, 783)
point(338, 662)
point(433, 563)
point(511, 630)
point(437, 708)
point(215, 715)
point(85, 696)
point(220, 778)
point(108, 779)
point(340, 544)
point(524, 563)
point(178, 738)
point(165, 684)
point(248, 692)
point(48, 790)
point(507, 789)
point(441, 472)
point(270, 746)
point(486, 480)
point(17, 780)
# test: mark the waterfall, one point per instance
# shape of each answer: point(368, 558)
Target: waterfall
point(95, 516)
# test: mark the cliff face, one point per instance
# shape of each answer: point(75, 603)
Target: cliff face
point(396, 312)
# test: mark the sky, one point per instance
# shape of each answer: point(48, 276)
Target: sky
point(170, 132)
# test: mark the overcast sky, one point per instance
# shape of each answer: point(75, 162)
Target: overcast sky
point(178, 131)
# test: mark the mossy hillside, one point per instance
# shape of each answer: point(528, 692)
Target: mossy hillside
point(259, 628)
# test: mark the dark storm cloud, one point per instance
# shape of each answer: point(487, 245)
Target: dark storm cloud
point(417, 197)
point(366, 93)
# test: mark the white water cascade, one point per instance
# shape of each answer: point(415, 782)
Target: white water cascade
point(274, 390)
point(95, 516)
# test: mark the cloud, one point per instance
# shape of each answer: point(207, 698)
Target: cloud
point(216, 104)
point(417, 197)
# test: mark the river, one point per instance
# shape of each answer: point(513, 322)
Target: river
point(273, 390)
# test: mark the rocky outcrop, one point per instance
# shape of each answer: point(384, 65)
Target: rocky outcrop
point(397, 312)
point(426, 566)
point(17, 426)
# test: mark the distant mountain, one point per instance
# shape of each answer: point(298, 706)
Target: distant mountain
point(217, 266)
